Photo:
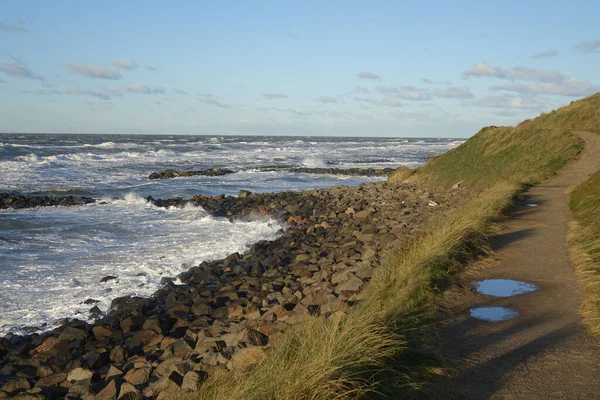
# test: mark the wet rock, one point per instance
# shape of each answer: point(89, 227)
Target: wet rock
point(108, 278)
point(170, 173)
point(70, 333)
point(128, 304)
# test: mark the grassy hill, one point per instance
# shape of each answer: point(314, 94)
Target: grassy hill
point(528, 153)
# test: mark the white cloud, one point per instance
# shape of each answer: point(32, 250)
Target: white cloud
point(530, 74)
point(404, 92)
point(103, 94)
point(140, 88)
point(482, 69)
point(93, 71)
point(272, 96)
point(327, 100)
point(179, 91)
point(368, 75)
point(386, 101)
point(516, 102)
point(457, 92)
point(517, 73)
point(212, 100)
point(569, 87)
point(286, 110)
point(20, 70)
point(124, 64)
point(153, 68)
point(588, 46)
point(545, 54)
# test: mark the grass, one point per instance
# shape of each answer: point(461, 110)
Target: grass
point(584, 240)
point(529, 153)
point(350, 356)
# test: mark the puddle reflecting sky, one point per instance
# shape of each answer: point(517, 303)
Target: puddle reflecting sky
point(503, 287)
point(493, 314)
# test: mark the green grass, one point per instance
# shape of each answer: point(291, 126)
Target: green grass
point(350, 356)
point(584, 238)
point(528, 153)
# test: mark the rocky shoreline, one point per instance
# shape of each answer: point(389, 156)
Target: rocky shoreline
point(19, 201)
point(171, 173)
point(224, 313)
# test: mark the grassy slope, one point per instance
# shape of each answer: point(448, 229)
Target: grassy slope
point(528, 153)
point(584, 238)
point(338, 357)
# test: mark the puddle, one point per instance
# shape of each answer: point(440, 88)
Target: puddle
point(503, 287)
point(532, 204)
point(493, 314)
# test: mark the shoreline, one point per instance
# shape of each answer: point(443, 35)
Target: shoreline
point(334, 240)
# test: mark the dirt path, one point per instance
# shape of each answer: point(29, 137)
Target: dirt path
point(545, 353)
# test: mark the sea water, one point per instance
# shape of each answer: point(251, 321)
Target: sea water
point(52, 259)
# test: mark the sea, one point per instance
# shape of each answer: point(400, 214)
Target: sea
point(53, 258)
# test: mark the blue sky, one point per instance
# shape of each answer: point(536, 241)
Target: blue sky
point(343, 68)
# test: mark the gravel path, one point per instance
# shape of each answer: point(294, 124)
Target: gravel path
point(545, 352)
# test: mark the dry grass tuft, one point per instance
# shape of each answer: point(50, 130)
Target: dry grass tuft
point(400, 175)
point(584, 249)
point(588, 272)
point(320, 358)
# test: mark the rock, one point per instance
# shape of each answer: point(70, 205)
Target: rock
point(127, 304)
point(15, 384)
point(457, 184)
point(191, 381)
point(101, 332)
point(79, 374)
point(242, 359)
point(70, 333)
point(109, 392)
point(138, 376)
point(144, 338)
point(80, 390)
point(47, 345)
point(51, 380)
point(128, 392)
point(112, 372)
point(363, 270)
point(118, 354)
point(363, 214)
point(432, 203)
point(91, 301)
point(242, 194)
point(353, 284)
point(367, 254)
point(108, 278)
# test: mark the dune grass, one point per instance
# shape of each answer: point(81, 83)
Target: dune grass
point(400, 175)
point(529, 153)
point(349, 356)
point(584, 240)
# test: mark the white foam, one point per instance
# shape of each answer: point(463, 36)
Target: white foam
point(59, 265)
point(313, 162)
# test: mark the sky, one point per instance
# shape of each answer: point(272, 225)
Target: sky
point(326, 68)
